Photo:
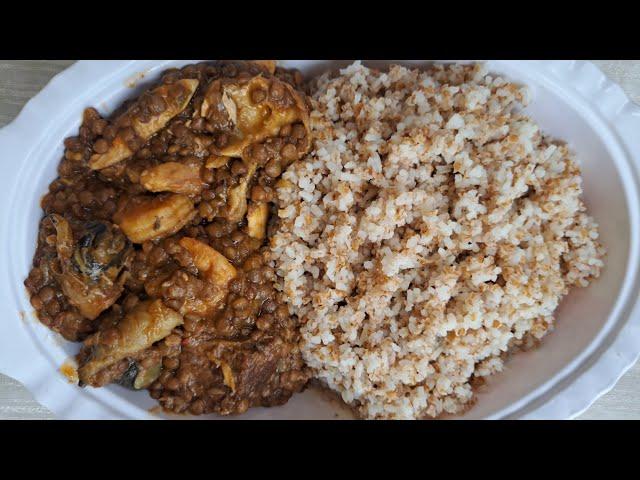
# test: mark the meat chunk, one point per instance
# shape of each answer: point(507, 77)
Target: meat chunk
point(174, 98)
point(146, 218)
point(149, 322)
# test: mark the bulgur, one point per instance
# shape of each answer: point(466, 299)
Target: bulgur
point(432, 228)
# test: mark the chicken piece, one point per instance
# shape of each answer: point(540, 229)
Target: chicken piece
point(200, 296)
point(149, 218)
point(93, 269)
point(148, 322)
point(118, 151)
point(257, 216)
point(236, 206)
point(173, 177)
point(258, 108)
point(212, 265)
point(216, 161)
point(174, 104)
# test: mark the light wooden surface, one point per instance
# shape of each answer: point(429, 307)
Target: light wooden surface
point(20, 80)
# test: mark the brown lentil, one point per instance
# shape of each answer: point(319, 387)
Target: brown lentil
point(273, 168)
point(289, 152)
point(246, 330)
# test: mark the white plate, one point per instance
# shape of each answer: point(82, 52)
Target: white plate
point(597, 337)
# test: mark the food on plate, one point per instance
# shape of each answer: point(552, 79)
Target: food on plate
point(232, 233)
point(431, 231)
point(92, 271)
point(153, 217)
point(256, 107)
point(145, 324)
point(152, 111)
point(152, 246)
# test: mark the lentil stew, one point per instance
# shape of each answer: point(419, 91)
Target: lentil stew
point(152, 250)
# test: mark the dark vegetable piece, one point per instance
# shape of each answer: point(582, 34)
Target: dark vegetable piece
point(137, 377)
point(93, 269)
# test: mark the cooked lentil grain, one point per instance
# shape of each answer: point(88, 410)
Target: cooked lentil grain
point(217, 331)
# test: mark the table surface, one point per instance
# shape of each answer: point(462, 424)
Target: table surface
point(21, 79)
